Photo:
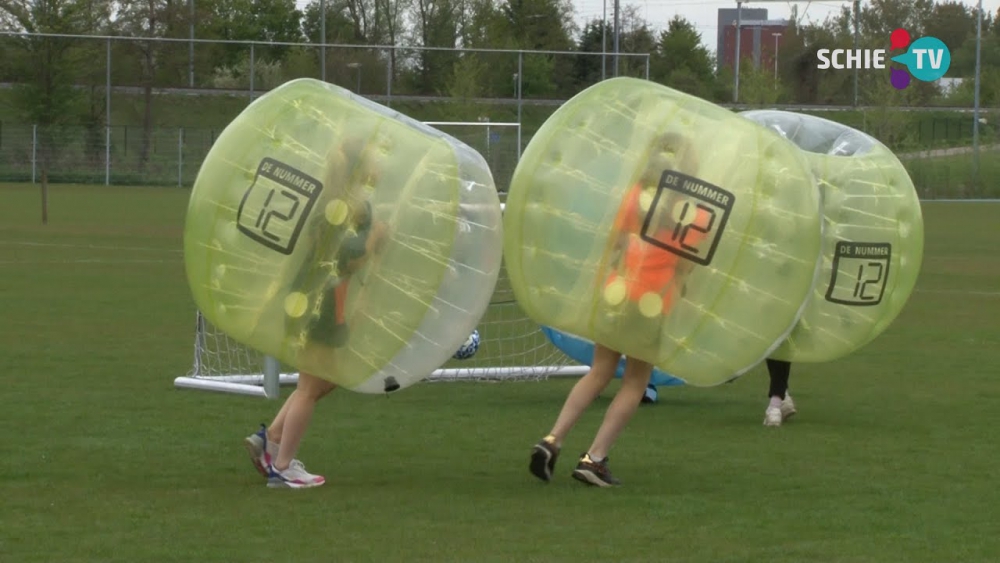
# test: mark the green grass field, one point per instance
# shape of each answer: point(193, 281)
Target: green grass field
point(889, 460)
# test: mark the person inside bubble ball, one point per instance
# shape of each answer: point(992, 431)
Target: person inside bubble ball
point(642, 273)
point(342, 238)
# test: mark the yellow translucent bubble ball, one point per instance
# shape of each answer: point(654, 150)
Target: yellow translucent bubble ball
point(873, 237)
point(343, 238)
point(665, 227)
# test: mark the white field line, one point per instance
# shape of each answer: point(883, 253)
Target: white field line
point(959, 292)
point(90, 246)
point(84, 261)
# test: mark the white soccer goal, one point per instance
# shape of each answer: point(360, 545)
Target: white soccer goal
point(513, 348)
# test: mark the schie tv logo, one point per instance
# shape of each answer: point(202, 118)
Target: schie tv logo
point(927, 59)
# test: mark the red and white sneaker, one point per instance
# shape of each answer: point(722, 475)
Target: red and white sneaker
point(261, 450)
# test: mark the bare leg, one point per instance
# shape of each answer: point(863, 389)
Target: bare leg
point(586, 390)
point(278, 424)
point(624, 405)
point(295, 415)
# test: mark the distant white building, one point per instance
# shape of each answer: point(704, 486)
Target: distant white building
point(948, 85)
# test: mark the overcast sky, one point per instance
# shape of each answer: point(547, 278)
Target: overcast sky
point(704, 13)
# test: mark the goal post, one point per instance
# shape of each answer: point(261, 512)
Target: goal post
point(513, 348)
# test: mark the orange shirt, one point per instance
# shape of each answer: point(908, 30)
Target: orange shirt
point(646, 268)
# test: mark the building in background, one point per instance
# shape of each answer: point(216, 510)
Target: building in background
point(757, 37)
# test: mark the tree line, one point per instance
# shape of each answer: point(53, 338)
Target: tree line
point(59, 80)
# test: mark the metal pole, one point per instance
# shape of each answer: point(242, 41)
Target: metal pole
point(520, 70)
point(617, 33)
point(253, 69)
point(975, 111)
point(358, 89)
point(180, 155)
point(191, 45)
point(107, 117)
point(388, 79)
point(272, 378)
point(34, 150)
point(736, 63)
point(857, 10)
point(647, 66)
point(322, 32)
point(604, 41)
point(776, 36)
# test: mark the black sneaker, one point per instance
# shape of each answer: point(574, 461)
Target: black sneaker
point(594, 473)
point(543, 460)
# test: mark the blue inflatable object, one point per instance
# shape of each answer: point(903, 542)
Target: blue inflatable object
point(582, 351)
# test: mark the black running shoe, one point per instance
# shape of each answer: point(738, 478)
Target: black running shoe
point(543, 460)
point(594, 473)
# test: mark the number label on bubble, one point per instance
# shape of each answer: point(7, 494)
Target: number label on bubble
point(860, 272)
point(687, 216)
point(275, 207)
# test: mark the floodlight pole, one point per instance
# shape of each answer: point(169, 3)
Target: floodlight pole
point(604, 41)
point(776, 36)
point(617, 33)
point(736, 63)
point(322, 40)
point(975, 111)
point(107, 114)
point(857, 11)
point(191, 45)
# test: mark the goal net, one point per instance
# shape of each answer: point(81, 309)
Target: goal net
point(512, 348)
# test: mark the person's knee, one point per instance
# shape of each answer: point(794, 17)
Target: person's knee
point(637, 372)
point(314, 388)
point(605, 362)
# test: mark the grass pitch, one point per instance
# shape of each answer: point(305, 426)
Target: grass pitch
point(890, 459)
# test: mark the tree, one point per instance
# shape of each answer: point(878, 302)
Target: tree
point(587, 69)
point(436, 24)
point(951, 22)
point(251, 20)
point(148, 19)
point(538, 25)
point(681, 61)
point(47, 96)
point(635, 37)
point(465, 84)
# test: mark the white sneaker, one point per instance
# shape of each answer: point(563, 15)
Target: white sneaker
point(772, 416)
point(261, 450)
point(787, 407)
point(295, 477)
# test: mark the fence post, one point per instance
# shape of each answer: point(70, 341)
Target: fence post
point(253, 70)
point(520, 80)
point(107, 116)
point(388, 77)
point(180, 156)
point(34, 150)
point(322, 40)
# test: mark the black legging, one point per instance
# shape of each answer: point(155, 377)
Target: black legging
point(779, 371)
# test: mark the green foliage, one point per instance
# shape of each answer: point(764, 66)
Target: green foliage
point(758, 87)
point(251, 20)
point(267, 75)
point(681, 61)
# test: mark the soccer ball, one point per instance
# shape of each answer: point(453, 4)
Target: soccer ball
point(469, 347)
